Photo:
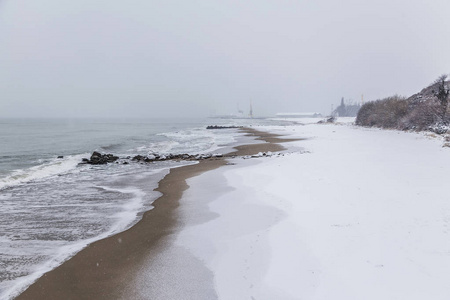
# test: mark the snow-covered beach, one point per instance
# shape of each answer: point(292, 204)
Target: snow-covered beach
point(343, 213)
point(349, 213)
point(201, 150)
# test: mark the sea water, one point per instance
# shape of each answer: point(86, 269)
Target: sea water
point(51, 208)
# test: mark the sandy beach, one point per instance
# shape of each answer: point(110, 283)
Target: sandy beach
point(343, 212)
point(103, 269)
point(202, 150)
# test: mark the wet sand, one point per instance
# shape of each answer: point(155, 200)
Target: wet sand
point(104, 268)
point(267, 136)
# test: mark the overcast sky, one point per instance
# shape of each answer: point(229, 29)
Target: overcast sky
point(110, 58)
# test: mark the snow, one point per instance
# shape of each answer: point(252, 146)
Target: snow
point(360, 214)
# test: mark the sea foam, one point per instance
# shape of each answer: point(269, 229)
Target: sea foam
point(53, 167)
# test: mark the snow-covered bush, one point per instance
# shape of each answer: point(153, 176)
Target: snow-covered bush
point(426, 110)
point(422, 116)
point(385, 113)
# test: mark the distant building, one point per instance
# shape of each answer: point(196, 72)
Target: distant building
point(349, 110)
point(299, 115)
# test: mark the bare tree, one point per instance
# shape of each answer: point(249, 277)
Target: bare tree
point(442, 94)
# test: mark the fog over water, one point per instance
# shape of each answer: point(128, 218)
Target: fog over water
point(137, 58)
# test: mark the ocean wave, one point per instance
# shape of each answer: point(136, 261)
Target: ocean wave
point(51, 253)
point(195, 141)
point(111, 146)
point(45, 169)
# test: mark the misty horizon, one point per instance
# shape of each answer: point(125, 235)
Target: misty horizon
point(175, 59)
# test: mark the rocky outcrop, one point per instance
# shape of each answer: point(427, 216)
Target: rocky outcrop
point(222, 127)
point(331, 119)
point(157, 157)
point(426, 94)
point(100, 159)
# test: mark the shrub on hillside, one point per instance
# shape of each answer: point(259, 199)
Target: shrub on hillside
point(385, 113)
point(426, 110)
point(364, 114)
point(423, 116)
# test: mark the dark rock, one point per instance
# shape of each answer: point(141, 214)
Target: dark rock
point(222, 127)
point(60, 156)
point(101, 159)
point(138, 157)
point(439, 128)
point(95, 153)
point(331, 119)
point(111, 158)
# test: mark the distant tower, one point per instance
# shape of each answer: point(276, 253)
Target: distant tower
point(250, 114)
point(362, 99)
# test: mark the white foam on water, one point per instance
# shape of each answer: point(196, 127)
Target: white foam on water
point(60, 251)
point(199, 140)
point(160, 147)
point(129, 210)
point(191, 141)
point(125, 218)
point(44, 170)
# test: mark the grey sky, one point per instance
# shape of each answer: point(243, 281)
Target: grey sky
point(158, 58)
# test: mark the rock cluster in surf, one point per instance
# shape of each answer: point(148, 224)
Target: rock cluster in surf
point(222, 127)
point(157, 157)
point(100, 159)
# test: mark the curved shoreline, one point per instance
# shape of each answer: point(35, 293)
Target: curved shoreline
point(103, 268)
